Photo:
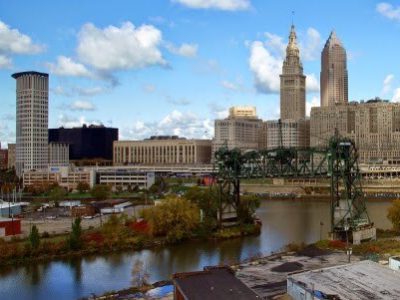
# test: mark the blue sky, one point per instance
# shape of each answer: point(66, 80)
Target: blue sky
point(173, 66)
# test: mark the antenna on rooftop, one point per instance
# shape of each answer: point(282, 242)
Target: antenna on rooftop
point(293, 13)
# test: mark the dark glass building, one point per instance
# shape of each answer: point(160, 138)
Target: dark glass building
point(87, 142)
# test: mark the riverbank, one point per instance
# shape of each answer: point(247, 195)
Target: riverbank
point(118, 238)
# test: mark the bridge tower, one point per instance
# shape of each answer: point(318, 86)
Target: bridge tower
point(349, 216)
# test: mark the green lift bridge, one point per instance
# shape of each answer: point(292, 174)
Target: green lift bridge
point(338, 162)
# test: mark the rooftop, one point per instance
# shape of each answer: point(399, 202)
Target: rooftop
point(17, 75)
point(214, 283)
point(361, 280)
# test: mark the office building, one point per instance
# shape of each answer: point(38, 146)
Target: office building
point(11, 156)
point(66, 177)
point(288, 133)
point(293, 82)
point(3, 158)
point(334, 78)
point(58, 154)
point(161, 150)
point(93, 142)
point(31, 121)
point(374, 125)
point(238, 130)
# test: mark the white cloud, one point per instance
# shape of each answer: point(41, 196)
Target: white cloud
point(218, 111)
point(5, 62)
point(312, 83)
point(265, 67)
point(179, 102)
point(119, 48)
point(396, 95)
point(149, 88)
point(187, 50)
point(65, 66)
point(81, 105)
point(311, 49)
point(266, 60)
point(79, 91)
point(389, 11)
point(14, 42)
point(313, 103)
point(387, 84)
point(69, 122)
point(230, 5)
point(229, 85)
point(275, 44)
point(90, 91)
point(184, 124)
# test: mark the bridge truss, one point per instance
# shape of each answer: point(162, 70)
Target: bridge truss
point(338, 162)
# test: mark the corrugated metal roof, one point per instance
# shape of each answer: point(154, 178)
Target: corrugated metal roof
point(361, 280)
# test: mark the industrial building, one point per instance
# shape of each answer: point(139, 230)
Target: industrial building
point(93, 142)
point(362, 280)
point(8, 209)
point(9, 226)
point(214, 283)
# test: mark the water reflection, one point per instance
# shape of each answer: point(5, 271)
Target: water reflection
point(283, 222)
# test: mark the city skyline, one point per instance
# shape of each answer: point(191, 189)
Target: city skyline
point(192, 59)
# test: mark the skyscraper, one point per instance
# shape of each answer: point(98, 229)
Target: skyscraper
point(293, 82)
point(334, 80)
point(32, 121)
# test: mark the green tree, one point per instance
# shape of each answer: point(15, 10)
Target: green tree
point(247, 208)
point(101, 191)
point(34, 237)
point(83, 187)
point(75, 237)
point(394, 214)
point(57, 194)
point(208, 200)
point(175, 218)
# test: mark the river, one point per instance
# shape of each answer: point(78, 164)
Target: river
point(283, 222)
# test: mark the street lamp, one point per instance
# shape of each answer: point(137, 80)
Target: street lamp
point(348, 250)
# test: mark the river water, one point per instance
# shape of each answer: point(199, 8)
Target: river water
point(283, 222)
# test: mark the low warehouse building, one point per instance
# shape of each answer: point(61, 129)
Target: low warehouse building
point(214, 283)
point(361, 280)
point(9, 226)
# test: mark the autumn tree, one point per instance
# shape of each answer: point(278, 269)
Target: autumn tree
point(175, 218)
point(83, 187)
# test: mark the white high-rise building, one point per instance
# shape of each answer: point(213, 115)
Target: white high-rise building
point(32, 121)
